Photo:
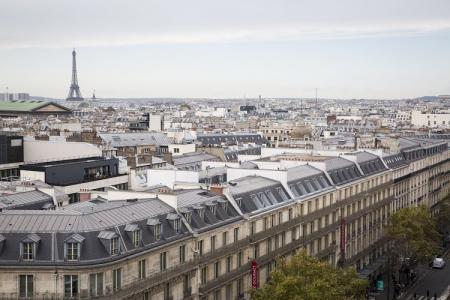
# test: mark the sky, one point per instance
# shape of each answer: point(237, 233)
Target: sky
point(384, 49)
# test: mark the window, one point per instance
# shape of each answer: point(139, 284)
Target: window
point(136, 237)
point(26, 287)
point(141, 269)
point(72, 251)
point(280, 217)
point(213, 243)
point(96, 284)
point(236, 234)
point(182, 253)
point(157, 231)
point(291, 213)
point(177, 225)
point(117, 279)
point(256, 251)
point(216, 269)
point(272, 220)
point(163, 261)
point(229, 263)
point(200, 247)
point(252, 228)
point(204, 275)
point(176, 150)
point(115, 246)
point(240, 258)
point(224, 238)
point(217, 295)
point(70, 286)
point(28, 251)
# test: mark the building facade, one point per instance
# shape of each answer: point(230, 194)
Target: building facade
point(195, 244)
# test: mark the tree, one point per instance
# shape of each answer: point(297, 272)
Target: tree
point(305, 277)
point(414, 233)
point(443, 216)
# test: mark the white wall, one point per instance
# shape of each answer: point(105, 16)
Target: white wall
point(32, 175)
point(169, 177)
point(430, 120)
point(57, 150)
point(182, 148)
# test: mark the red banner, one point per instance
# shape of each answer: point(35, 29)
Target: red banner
point(342, 238)
point(254, 274)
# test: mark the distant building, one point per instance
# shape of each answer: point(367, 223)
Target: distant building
point(34, 107)
point(11, 149)
point(148, 122)
point(76, 175)
point(434, 119)
point(14, 96)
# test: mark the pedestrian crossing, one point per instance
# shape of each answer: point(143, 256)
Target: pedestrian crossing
point(421, 297)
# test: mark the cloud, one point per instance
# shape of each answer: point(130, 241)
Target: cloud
point(282, 32)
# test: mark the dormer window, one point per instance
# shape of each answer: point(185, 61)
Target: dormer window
point(200, 210)
point(72, 247)
point(110, 241)
point(115, 246)
point(175, 221)
point(136, 238)
point(28, 251)
point(223, 204)
point(134, 233)
point(212, 207)
point(28, 246)
point(187, 214)
point(156, 228)
point(72, 251)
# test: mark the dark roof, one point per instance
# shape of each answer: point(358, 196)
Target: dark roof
point(342, 170)
point(306, 180)
point(92, 225)
point(192, 160)
point(254, 193)
point(205, 210)
point(230, 139)
point(369, 163)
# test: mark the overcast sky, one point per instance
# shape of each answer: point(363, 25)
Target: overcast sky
point(192, 48)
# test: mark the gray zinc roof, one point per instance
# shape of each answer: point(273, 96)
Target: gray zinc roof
point(29, 200)
point(135, 139)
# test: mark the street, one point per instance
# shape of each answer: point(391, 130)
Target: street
point(433, 281)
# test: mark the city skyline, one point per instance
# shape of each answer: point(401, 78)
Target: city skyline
point(210, 50)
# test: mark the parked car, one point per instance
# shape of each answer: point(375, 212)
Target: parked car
point(438, 263)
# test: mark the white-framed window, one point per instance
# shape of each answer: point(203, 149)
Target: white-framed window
point(115, 246)
point(28, 250)
point(136, 238)
point(72, 251)
point(157, 230)
point(117, 279)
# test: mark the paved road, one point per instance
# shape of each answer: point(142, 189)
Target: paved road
point(435, 281)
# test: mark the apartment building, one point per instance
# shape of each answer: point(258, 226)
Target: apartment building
point(196, 244)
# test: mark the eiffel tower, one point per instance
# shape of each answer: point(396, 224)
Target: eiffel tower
point(74, 92)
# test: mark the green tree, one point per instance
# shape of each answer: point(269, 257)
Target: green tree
point(414, 233)
point(305, 277)
point(443, 217)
